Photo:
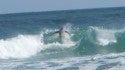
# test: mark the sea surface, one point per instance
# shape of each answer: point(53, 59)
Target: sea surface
point(96, 40)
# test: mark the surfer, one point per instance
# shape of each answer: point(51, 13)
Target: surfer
point(62, 34)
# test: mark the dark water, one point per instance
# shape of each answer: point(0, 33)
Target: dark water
point(96, 40)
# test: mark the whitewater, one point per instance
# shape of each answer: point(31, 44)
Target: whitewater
point(96, 40)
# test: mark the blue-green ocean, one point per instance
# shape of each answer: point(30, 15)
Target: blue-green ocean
point(96, 40)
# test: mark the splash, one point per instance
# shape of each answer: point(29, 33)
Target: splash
point(105, 36)
point(21, 46)
point(24, 46)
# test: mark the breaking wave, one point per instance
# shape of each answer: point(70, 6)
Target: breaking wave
point(93, 40)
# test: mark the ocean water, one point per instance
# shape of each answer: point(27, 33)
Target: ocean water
point(96, 40)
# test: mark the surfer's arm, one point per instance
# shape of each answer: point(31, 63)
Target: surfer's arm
point(67, 32)
point(54, 32)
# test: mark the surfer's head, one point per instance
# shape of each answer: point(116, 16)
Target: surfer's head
point(62, 28)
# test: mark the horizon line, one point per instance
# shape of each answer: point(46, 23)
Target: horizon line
point(60, 10)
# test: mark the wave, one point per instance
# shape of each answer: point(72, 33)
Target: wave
point(100, 40)
point(104, 36)
point(93, 40)
point(21, 46)
point(113, 61)
point(24, 46)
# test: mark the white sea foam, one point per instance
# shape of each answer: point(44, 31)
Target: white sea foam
point(24, 46)
point(113, 61)
point(106, 36)
point(20, 47)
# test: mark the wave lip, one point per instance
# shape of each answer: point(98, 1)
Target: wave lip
point(103, 36)
point(21, 46)
point(24, 46)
